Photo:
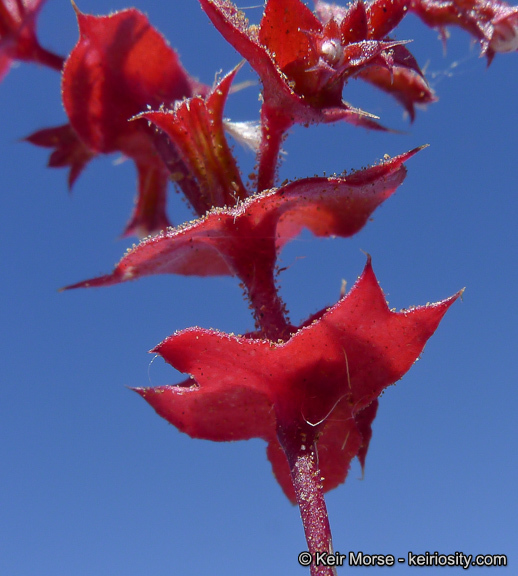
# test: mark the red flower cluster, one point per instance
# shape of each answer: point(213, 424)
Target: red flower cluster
point(305, 59)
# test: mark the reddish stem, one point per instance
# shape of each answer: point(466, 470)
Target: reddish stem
point(254, 257)
point(299, 442)
point(47, 58)
point(305, 473)
point(269, 309)
point(273, 127)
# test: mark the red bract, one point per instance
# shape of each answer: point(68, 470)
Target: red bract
point(195, 127)
point(318, 388)
point(230, 241)
point(18, 39)
point(403, 79)
point(244, 241)
point(492, 22)
point(302, 63)
point(69, 149)
point(120, 67)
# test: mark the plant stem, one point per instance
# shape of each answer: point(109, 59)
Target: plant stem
point(298, 442)
point(305, 473)
point(49, 59)
point(273, 127)
point(254, 264)
point(269, 309)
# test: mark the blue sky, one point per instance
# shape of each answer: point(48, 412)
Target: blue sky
point(93, 482)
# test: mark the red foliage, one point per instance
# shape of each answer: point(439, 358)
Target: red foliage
point(195, 127)
point(120, 67)
point(304, 62)
point(69, 149)
point(18, 38)
point(311, 392)
point(237, 240)
point(321, 384)
point(492, 22)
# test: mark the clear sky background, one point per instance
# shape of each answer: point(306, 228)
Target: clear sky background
point(93, 482)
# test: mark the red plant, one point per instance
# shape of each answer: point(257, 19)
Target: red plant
point(310, 391)
point(69, 151)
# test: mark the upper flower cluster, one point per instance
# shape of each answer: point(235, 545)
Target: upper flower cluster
point(304, 59)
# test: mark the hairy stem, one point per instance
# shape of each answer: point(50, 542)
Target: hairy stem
point(273, 127)
point(305, 473)
point(269, 309)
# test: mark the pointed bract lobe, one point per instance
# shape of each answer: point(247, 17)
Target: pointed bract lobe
point(322, 383)
point(69, 149)
point(226, 241)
